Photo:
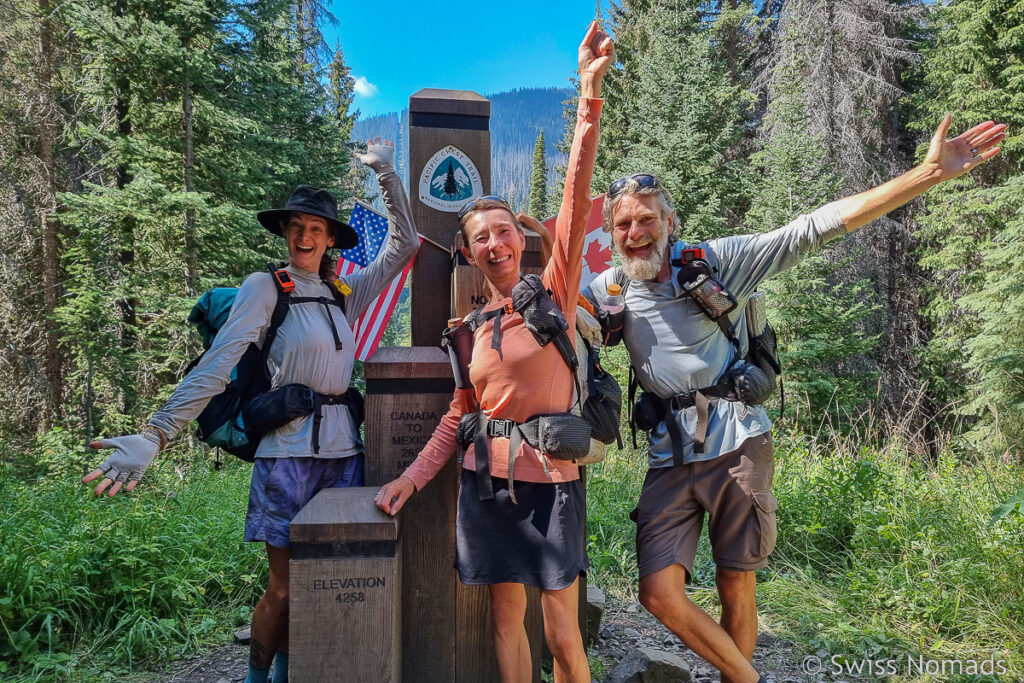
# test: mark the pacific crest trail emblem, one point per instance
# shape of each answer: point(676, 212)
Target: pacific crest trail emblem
point(449, 179)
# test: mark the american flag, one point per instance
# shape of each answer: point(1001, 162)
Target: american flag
point(372, 228)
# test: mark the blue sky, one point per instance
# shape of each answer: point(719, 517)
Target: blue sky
point(397, 47)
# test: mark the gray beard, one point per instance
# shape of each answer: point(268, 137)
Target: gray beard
point(645, 268)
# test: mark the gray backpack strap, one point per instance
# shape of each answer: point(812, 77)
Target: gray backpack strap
point(482, 459)
point(619, 277)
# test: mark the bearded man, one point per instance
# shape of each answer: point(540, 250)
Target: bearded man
point(711, 454)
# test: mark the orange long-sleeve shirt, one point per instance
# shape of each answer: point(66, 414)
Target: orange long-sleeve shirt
point(527, 379)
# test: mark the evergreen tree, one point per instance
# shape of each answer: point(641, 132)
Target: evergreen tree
point(819, 321)
point(32, 171)
point(539, 179)
point(973, 227)
point(841, 63)
point(451, 188)
point(671, 109)
point(199, 113)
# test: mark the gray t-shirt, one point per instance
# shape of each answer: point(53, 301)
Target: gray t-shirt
point(677, 349)
point(304, 350)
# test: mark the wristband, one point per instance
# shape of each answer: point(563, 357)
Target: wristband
point(153, 429)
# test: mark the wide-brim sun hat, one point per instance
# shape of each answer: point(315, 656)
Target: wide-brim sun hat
point(316, 202)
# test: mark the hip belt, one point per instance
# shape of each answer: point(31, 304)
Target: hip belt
point(276, 408)
point(562, 436)
point(650, 409)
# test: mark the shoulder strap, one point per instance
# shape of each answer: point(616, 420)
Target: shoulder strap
point(633, 383)
point(620, 277)
point(338, 291)
point(276, 318)
point(726, 326)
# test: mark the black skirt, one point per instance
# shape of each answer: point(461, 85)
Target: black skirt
point(539, 541)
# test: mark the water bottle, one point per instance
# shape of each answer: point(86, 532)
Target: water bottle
point(614, 307)
point(757, 319)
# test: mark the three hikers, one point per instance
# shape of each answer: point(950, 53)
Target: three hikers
point(689, 341)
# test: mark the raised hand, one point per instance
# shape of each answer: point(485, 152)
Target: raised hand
point(131, 456)
point(546, 241)
point(596, 54)
point(951, 158)
point(379, 155)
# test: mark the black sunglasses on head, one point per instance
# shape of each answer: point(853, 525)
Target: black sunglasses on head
point(642, 179)
point(468, 206)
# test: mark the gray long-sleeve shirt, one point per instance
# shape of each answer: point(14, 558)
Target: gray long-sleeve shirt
point(304, 350)
point(676, 349)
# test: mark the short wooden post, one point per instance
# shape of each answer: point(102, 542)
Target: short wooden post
point(408, 390)
point(345, 621)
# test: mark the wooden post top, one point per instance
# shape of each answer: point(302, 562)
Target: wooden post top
point(408, 362)
point(343, 515)
point(438, 101)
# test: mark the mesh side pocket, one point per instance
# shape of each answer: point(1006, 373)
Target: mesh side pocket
point(564, 436)
point(603, 406)
point(750, 384)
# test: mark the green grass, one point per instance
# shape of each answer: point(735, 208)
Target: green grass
point(97, 588)
point(879, 554)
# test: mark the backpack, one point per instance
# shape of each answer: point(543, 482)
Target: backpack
point(752, 382)
point(226, 422)
point(598, 395)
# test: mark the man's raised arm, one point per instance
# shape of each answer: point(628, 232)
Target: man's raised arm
point(946, 159)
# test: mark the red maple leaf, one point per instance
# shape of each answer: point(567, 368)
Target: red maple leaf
point(597, 257)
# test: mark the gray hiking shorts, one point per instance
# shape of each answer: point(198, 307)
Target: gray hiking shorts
point(734, 489)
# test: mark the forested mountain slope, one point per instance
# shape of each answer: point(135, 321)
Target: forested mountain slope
point(517, 117)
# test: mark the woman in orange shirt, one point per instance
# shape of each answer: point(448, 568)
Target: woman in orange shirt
point(535, 536)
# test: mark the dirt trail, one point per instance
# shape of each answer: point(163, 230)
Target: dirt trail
point(625, 627)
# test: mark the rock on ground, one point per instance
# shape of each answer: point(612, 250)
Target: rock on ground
point(648, 665)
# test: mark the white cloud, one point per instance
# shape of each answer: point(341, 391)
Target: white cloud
point(364, 88)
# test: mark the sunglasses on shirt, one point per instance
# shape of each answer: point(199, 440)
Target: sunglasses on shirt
point(642, 179)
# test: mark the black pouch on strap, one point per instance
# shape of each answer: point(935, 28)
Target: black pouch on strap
point(458, 342)
point(562, 436)
point(750, 384)
point(469, 424)
point(276, 408)
point(648, 411)
point(543, 318)
point(356, 405)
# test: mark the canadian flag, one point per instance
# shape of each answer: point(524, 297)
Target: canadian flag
point(597, 247)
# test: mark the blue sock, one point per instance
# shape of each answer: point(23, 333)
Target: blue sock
point(257, 675)
point(280, 668)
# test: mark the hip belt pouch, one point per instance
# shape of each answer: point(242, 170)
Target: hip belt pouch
point(562, 436)
point(469, 424)
point(278, 407)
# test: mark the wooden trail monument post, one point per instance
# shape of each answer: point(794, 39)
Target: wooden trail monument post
point(447, 632)
point(446, 628)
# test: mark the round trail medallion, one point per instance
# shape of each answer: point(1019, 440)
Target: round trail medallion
point(449, 180)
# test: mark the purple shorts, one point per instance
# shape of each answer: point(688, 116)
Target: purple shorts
point(282, 486)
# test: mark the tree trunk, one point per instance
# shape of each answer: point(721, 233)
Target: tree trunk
point(187, 164)
point(46, 134)
point(126, 305)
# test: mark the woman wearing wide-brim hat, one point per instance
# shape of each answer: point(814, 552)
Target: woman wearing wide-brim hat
point(536, 536)
point(315, 347)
